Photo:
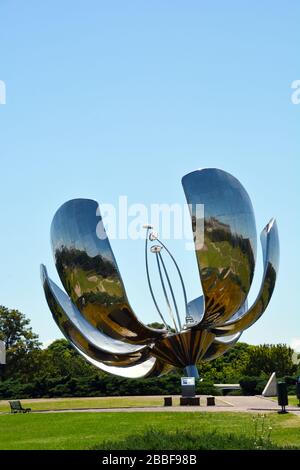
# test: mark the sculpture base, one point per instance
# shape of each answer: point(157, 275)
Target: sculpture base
point(189, 401)
point(191, 371)
point(168, 401)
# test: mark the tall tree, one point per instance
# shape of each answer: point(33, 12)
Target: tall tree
point(268, 358)
point(20, 340)
point(15, 330)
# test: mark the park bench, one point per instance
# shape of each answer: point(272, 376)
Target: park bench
point(16, 407)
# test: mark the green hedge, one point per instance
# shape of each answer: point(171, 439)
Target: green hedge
point(252, 385)
point(256, 385)
point(50, 387)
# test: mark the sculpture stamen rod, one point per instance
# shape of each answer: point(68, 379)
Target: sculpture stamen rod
point(95, 314)
point(163, 273)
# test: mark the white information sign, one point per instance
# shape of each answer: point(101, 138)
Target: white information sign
point(187, 381)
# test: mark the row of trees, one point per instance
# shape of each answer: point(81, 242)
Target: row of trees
point(59, 370)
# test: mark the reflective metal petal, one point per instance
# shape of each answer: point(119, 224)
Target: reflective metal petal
point(226, 258)
point(219, 347)
point(195, 309)
point(235, 317)
point(270, 246)
point(97, 318)
point(150, 368)
point(183, 349)
point(84, 336)
point(240, 312)
point(90, 275)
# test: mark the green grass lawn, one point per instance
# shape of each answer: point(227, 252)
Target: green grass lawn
point(85, 430)
point(104, 402)
point(99, 402)
point(293, 400)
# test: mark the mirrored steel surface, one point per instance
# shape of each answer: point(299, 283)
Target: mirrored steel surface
point(240, 312)
point(84, 336)
point(96, 316)
point(183, 349)
point(226, 260)
point(195, 309)
point(150, 368)
point(271, 253)
point(90, 275)
point(219, 347)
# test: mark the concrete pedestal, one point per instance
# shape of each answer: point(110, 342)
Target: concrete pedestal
point(189, 401)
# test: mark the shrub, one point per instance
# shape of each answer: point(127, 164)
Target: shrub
point(289, 380)
point(206, 388)
point(153, 439)
point(252, 385)
point(291, 383)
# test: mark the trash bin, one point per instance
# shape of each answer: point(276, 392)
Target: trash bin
point(282, 396)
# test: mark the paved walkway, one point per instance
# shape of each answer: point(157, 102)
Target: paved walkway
point(238, 404)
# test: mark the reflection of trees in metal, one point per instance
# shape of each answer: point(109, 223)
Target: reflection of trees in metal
point(96, 315)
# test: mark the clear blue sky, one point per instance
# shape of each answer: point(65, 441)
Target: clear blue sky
point(125, 97)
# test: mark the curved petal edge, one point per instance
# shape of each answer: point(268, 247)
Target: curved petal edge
point(271, 254)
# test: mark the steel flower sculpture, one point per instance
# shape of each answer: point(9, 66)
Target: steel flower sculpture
point(95, 314)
